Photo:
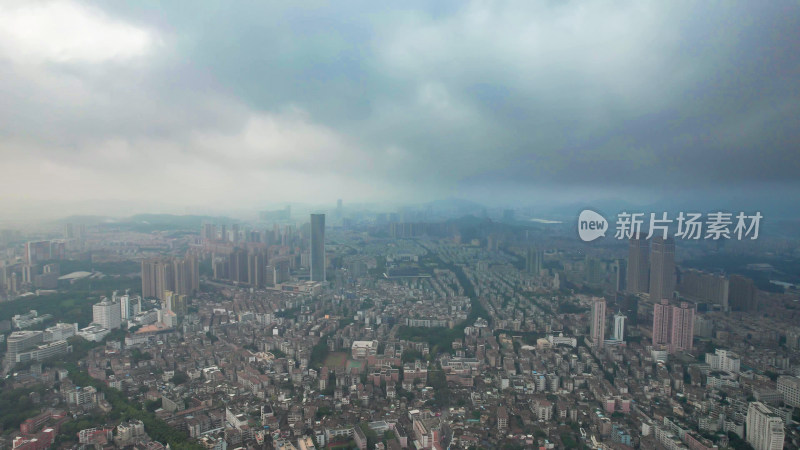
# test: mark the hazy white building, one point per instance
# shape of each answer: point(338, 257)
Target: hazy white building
point(619, 326)
point(764, 428)
point(107, 314)
point(723, 360)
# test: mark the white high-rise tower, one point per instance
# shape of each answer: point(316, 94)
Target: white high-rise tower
point(619, 326)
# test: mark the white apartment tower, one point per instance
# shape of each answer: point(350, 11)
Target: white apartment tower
point(764, 428)
point(107, 314)
point(619, 326)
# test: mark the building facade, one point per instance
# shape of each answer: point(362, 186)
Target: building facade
point(638, 265)
point(598, 322)
point(318, 247)
point(764, 429)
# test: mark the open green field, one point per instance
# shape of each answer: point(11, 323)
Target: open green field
point(336, 360)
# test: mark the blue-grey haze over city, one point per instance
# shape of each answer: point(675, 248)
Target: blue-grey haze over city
point(399, 225)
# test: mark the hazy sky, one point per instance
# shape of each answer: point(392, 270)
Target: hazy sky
point(240, 104)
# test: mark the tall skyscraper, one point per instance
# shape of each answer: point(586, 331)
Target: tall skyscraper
point(158, 275)
point(280, 270)
point(180, 275)
point(673, 326)
point(533, 260)
point(662, 268)
point(742, 294)
point(125, 307)
point(238, 265)
point(235, 233)
point(682, 328)
point(257, 268)
point(187, 273)
point(209, 232)
point(621, 272)
point(318, 247)
point(764, 428)
point(37, 251)
point(593, 271)
point(192, 274)
point(662, 318)
point(638, 265)
point(74, 231)
point(597, 326)
point(703, 287)
point(619, 326)
point(169, 301)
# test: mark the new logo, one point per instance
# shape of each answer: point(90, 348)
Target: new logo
point(591, 225)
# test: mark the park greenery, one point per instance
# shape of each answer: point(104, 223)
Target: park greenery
point(17, 406)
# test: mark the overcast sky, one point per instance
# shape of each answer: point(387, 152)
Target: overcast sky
point(235, 105)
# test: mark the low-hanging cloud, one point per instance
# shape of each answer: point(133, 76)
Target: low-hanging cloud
point(244, 104)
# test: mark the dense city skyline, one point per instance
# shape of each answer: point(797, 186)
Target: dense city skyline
point(370, 329)
point(460, 225)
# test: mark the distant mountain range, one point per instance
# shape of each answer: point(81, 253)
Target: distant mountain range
point(154, 221)
point(771, 205)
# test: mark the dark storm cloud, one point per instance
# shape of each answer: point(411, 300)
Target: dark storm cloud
point(429, 101)
point(713, 91)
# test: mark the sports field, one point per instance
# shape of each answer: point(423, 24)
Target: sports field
point(336, 360)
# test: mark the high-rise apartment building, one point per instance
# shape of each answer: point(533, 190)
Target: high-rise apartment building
point(593, 271)
point(742, 294)
point(238, 265)
point(662, 315)
point(175, 303)
point(597, 326)
point(318, 247)
point(619, 326)
point(682, 328)
point(673, 326)
point(107, 314)
point(74, 231)
point(621, 272)
point(257, 268)
point(37, 251)
point(125, 307)
point(179, 275)
point(534, 258)
point(704, 287)
point(764, 428)
point(209, 233)
point(235, 233)
point(192, 274)
point(662, 268)
point(638, 265)
point(280, 270)
point(187, 275)
point(157, 276)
